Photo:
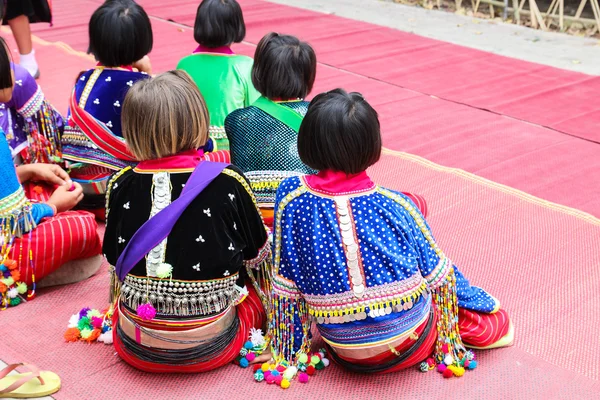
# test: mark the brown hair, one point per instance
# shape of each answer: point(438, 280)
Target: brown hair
point(163, 116)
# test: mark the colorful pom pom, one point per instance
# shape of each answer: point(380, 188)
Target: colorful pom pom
point(83, 312)
point(250, 357)
point(265, 367)
point(280, 368)
point(97, 322)
point(430, 362)
point(466, 363)
point(310, 370)
point(447, 373)
point(16, 275)
point(325, 362)
point(256, 367)
point(86, 333)
point(243, 352)
point(10, 264)
point(164, 270)
point(278, 379)
point(473, 364)
point(285, 384)
point(314, 360)
point(302, 377)
point(12, 293)
point(244, 363)
point(84, 323)
point(71, 335)
point(22, 287)
point(146, 312)
point(448, 360)
point(319, 366)
point(424, 367)
point(270, 379)
point(259, 376)
point(274, 372)
point(94, 334)
point(441, 367)
point(445, 348)
point(15, 301)
point(303, 358)
point(106, 337)
point(248, 345)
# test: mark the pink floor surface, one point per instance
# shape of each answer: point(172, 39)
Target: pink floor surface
point(540, 259)
point(432, 97)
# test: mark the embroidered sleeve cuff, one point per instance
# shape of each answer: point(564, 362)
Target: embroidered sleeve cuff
point(439, 273)
point(263, 254)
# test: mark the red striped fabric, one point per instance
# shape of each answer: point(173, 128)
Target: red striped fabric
point(482, 330)
point(218, 156)
point(251, 314)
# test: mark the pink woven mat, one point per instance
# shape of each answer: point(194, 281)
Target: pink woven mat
point(537, 258)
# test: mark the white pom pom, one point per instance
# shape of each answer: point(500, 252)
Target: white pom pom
point(12, 293)
point(256, 337)
point(325, 362)
point(73, 321)
point(448, 360)
point(106, 337)
point(164, 270)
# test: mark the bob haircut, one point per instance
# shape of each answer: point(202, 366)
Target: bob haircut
point(6, 74)
point(340, 132)
point(284, 67)
point(219, 23)
point(163, 116)
point(120, 33)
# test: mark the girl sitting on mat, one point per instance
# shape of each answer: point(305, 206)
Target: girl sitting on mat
point(40, 238)
point(222, 76)
point(32, 126)
point(184, 236)
point(120, 37)
point(360, 260)
point(263, 136)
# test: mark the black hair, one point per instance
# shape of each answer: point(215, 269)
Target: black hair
point(284, 67)
point(219, 23)
point(6, 77)
point(340, 132)
point(120, 33)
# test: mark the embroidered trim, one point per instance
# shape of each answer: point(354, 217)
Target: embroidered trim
point(161, 198)
point(262, 255)
point(285, 287)
point(353, 193)
point(13, 203)
point(278, 214)
point(32, 105)
point(88, 86)
point(217, 132)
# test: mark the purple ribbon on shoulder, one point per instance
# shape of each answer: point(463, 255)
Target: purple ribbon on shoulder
point(157, 228)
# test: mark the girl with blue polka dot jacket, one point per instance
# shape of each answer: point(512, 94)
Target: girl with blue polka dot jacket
point(360, 260)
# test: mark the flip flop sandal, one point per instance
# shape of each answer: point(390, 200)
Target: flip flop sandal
point(27, 385)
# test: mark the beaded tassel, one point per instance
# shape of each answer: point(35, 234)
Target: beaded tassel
point(449, 349)
point(281, 318)
point(43, 137)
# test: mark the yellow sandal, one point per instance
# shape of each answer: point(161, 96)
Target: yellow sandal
point(25, 385)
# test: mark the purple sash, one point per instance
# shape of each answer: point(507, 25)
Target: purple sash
point(157, 228)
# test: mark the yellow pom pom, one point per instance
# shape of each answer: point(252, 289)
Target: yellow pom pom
point(285, 384)
point(265, 367)
point(457, 371)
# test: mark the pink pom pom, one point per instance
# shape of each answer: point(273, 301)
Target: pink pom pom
point(270, 379)
point(467, 362)
point(430, 362)
point(445, 348)
point(250, 356)
point(278, 379)
point(441, 367)
point(280, 368)
point(302, 377)
point(267, 373)
point(146, 312)
point(97, 322)
point(447, 373)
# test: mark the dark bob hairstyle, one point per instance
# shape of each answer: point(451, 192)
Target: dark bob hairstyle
point(120, 33)
point(6, 77)
point(340, 132)
point(219, 23)
point(284, 67)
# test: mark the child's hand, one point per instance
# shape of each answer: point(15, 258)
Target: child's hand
point(66, 197)
point(44, 173)
point(263, 358)
point(143, 65)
